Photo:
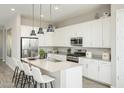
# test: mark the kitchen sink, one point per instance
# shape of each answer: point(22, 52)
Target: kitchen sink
point(54, 60)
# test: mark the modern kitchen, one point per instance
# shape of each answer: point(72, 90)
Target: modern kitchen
point(55, 46)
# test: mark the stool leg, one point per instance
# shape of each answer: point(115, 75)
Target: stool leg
point(19, 77)
point(51, 83)
point(22, 81)
point(41, 85)
point(29, 82)
point(25, 81)
point(16, 77)
point(15, 71)
point(32, 80)
point(35, 85)
point(45, 85)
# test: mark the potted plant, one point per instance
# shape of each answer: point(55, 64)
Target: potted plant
point(42, 54)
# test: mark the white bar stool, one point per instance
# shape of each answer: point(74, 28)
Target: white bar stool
point(21, 73)
point(16, 71)
point(41, 79)
point(28, 75)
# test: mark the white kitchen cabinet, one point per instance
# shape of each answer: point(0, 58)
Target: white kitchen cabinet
point(62, 37)
point(105, 72)
point(90, 68)
point(93, 69)
point(96, 70)
point(87, 39)
point(41, 40)
point(84, 63)
point(57, 56)
point(96, 33)
point(106, 32)
point(48, 39)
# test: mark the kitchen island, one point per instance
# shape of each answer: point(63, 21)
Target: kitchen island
point(67, 74)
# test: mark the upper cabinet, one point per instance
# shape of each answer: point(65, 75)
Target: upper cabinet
point(87, 36)
point(96, 33)
point(106, 34)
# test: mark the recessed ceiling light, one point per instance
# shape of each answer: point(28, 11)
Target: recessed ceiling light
point(12, 9)
point(41, 15)
point(56, 7)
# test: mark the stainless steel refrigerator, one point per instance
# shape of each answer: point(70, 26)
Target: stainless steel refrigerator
point(29, 47)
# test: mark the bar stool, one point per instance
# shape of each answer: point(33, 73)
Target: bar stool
point(28, 75)
point(16, 71)
point(21, 74)
point(41, 79)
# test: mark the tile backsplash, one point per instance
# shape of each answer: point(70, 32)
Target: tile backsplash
point(95, 51)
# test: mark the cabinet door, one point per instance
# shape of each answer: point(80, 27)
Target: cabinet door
point(87, 27)
point(106, 33)
point(93, 69)
point(48, 39)
point(85, 66)
point(105, 72)
point(96, 33)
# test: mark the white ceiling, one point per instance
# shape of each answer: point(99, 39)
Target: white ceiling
point(65, 11)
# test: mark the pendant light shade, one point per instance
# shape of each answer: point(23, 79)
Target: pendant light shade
point(40, 31)
point(50, 26)
point(33, 31)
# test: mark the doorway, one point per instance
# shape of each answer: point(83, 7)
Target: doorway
point(1, 44)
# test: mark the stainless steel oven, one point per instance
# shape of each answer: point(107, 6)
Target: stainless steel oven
point(76, 41)
point(75, 56)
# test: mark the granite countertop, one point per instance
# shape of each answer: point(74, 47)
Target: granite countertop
point(51, 66)
point(96, 58)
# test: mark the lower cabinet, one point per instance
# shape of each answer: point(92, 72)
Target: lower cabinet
point(93, 69)
point(96, 70)
point(105, 72)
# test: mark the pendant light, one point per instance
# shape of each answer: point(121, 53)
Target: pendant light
point(50, 26)
point(33, 31)
point(40, 31)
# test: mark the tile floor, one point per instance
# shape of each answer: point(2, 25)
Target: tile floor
point(6, 76)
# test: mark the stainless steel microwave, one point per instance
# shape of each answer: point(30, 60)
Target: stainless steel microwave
point(76, 41)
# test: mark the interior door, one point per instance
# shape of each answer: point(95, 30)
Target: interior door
point(120, 48)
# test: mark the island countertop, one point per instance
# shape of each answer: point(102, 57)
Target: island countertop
point(50, 66)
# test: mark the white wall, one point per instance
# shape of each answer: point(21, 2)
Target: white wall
point(84, 17)
point(16, 33)
point(1, 42)
point(114, 57)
